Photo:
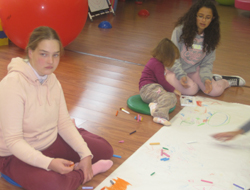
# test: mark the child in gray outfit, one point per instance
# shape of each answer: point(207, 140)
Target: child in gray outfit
point(154, 89)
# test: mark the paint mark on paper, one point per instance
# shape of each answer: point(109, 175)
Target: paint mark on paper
point(120, 184)
point(199, 103)
point(219, 119)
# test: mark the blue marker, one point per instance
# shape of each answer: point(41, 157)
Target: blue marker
point(117, 156)
point(164, 159)
point(238, 186)
point(87, 187)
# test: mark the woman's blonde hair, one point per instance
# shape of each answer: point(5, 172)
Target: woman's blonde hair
point(42, 33)
point(166, 52)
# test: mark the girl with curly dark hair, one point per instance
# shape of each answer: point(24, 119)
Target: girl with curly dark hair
point(197, 34)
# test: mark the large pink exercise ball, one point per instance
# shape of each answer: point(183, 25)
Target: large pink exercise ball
point(21, 17)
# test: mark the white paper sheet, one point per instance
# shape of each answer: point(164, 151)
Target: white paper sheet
point(194, 154)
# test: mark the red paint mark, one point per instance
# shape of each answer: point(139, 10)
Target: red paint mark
point(120, 184)
point(199, 103)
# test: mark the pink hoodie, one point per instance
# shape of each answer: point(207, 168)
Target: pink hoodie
point(32, 114)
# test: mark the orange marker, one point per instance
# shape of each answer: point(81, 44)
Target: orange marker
point(71, 165)
point(116, 113)
point(156, 143)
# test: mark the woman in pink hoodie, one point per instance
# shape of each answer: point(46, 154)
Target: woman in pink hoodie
point(40, 147)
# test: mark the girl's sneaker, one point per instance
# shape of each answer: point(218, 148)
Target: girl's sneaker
point(161, 121)
point(234, 80)
point(217, 77)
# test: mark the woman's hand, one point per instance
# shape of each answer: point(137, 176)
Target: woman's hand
point(86, 166)
point(177, 92)
point(208, 86)
point(61, 166)
point(183, 81)
point(227, 135)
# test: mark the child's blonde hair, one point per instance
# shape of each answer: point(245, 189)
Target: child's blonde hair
point(166, 52)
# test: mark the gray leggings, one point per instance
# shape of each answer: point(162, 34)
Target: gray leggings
point(155, 93)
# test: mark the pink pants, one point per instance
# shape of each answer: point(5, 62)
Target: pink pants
point(33, 178)
point(195, 84)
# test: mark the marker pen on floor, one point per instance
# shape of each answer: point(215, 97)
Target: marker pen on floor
point(116, 156)
point(132, 132)
point(87, 187)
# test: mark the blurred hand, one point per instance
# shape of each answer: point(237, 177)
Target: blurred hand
point(61, 166)
point(226, 136)
point(177, 92)
point(183, 81)
point(208, 85)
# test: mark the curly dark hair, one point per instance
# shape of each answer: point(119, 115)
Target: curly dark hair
point(189, 30)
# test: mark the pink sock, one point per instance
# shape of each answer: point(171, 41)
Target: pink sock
point(101, 166)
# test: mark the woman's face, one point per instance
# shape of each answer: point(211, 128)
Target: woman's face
point(45, 58)
point(203, 18)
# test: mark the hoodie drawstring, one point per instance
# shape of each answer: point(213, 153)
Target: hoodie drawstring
point(48, 95)
point(38, 93)
point(39, 86)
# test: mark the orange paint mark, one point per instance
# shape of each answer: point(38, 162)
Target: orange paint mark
point(206, 110)
point(216, 103)
point(120, 184)
point(199, 103)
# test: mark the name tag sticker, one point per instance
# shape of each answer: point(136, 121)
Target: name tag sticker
point(196, 46)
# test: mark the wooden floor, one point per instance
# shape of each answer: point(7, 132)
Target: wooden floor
point(101, 68)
